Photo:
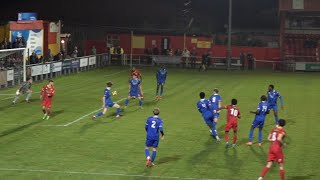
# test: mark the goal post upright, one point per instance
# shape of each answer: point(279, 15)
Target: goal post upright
point(24, 64)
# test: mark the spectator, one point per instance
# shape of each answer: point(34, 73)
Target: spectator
point(193, 58)
point(48, 56)
point(93, 50)
point(250, 60)
point(33, 58)
point(155, 50)
point(185, 57)
point(242, 59)
point(57, 57)
point(6, 44)
point(148, 55)
point(178, 52)
point(75, 52)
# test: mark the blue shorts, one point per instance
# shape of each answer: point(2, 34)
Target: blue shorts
point(258, 123)
point(109, 104)
point(134, 94)
point(216, 115)
point(152, 142)
point(273, 107)
point(208, 120)
point(161, 82)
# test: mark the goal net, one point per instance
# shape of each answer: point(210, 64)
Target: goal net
point(12, 67)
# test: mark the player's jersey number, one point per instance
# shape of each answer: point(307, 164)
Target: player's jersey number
point(153, 125)
point(234, 112)
point(274, 136)
point(264, 108)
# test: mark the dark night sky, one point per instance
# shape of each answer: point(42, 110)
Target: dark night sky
point(251, 14)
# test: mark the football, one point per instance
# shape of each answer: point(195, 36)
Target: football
point(114, 93)
point(17, 93)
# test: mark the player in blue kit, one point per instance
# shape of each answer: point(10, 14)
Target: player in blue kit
point(261, 113)
point(204, 108)
point(161, 80)
point(107, 102)
point(273, 96)
point(153, 128)
point(134, 90)
point(215, 104)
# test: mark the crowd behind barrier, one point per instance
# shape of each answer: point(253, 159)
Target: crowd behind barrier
point(12, 76)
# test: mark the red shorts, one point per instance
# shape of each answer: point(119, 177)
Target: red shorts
point(276, 155)
point(231, 125)
point(47, 103)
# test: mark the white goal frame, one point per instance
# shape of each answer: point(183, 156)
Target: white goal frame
point(24, 59)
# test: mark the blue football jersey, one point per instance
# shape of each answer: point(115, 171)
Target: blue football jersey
point(262, 109)
point(153, 127)
point(107, 95)
point(204, 108)
point(134, 83)
point(162, 75)
point(214, 101)
point(273, 97)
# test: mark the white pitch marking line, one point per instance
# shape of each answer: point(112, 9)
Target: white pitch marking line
point(102, 174)
point(80, 118)
point(115, 73)
point(42, 125)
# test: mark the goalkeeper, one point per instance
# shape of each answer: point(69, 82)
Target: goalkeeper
point(25, 88)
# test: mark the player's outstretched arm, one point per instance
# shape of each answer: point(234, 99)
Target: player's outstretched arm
point(281, 102)
point(254, 112)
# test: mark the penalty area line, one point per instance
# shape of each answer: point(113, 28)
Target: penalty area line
point(102, 174)
point(84, 116)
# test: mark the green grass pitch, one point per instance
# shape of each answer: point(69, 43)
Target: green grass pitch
point(72, 146)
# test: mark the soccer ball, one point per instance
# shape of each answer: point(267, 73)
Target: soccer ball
point(114, 93)
point(17, 93)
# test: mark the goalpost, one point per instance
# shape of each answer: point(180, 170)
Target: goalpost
point(13, 66)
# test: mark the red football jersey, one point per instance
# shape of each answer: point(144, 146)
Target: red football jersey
point(232, 113)
point(275, 144)
point(47, 92)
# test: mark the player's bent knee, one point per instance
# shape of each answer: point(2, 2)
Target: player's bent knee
point(154, 149)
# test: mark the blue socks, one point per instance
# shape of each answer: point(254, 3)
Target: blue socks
point(161, 90)
point(126, 102)
point(276, 119)
point(146, 151)
point(140, 102)
point(213, 129)
point(99, 114)
point(154, 154)
point(251, 135)
point(260, 136)
point(118, 111)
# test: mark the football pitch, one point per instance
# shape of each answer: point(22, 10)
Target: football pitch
point(72, 146)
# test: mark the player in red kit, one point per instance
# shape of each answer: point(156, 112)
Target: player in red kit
point(233, 113)
point(276, 137)
point(137, 73)
point(46, 95)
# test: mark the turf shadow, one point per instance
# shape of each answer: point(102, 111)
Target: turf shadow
point(167, 159)
point(56, 113)
point(209, 148)
point(259, 152)
point(231, 158)
point(18, 129)
point(306, 177)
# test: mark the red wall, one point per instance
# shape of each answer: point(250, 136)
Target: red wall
point(260, 53)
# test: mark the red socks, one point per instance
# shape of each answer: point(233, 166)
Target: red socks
point(234, 138)
point(282, 174)
point(226, 136)
point(264, 171)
